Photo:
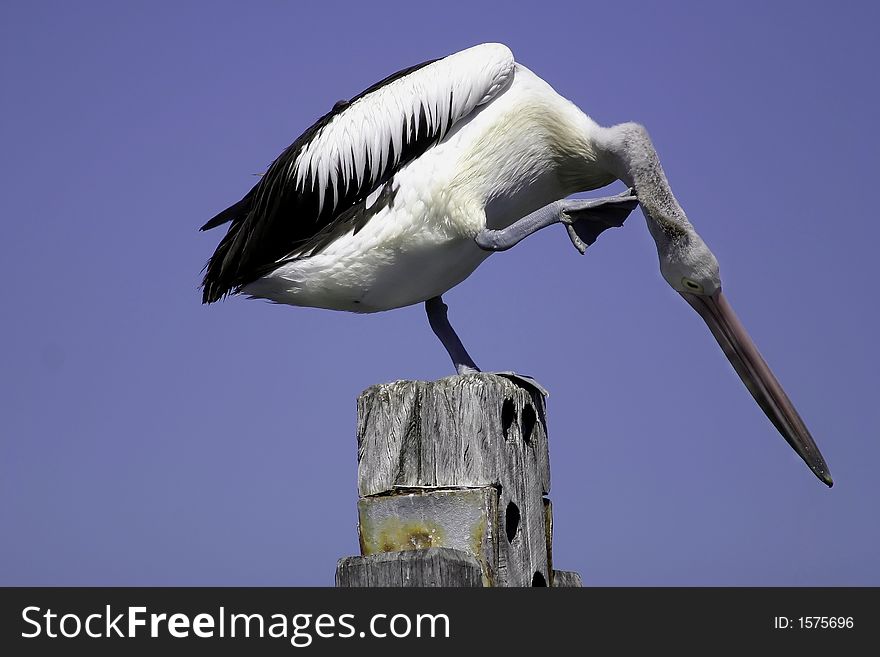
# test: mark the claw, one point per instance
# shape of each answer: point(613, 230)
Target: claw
point(586, 219)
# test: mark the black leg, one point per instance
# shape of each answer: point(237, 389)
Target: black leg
point(436, 310)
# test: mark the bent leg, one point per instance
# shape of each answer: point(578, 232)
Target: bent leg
point(585, 219)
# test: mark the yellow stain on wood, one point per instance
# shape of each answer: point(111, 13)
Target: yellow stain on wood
point(392, 535)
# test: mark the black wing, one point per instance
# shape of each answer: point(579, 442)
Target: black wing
point(316, 189)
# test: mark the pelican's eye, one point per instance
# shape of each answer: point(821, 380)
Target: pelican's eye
point(693, 286)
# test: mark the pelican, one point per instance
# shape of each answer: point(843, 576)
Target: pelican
point(398, 194)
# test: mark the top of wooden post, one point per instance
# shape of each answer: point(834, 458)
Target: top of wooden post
point(461, 431)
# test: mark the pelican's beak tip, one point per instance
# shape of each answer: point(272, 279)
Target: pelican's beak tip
point(826, 478)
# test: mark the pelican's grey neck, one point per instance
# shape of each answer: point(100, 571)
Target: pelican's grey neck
point(629, 154)
point(686, 262)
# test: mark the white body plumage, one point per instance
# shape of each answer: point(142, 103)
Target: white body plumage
point(516, 146)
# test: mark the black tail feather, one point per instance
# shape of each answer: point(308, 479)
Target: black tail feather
point(221, 276)
point(239, 210)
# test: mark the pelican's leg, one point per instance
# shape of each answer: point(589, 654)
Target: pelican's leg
point(436, 310)
point(584, 219)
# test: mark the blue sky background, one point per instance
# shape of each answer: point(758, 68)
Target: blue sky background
point(146, 439)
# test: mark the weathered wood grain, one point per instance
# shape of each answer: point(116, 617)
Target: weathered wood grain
point(566, 579)
point(465, 431)
point(456, 431)
point(548, 537)
point(428, 567)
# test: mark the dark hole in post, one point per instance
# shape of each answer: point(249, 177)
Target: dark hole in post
point(528, 423)
point(538, 579)
point(508, 415)
point(511, 521)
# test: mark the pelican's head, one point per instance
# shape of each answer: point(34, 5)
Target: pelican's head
point(686, 263)
point(691, 269)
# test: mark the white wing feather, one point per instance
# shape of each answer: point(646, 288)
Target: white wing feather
point(372, 131)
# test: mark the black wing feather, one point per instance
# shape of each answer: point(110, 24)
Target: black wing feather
point(275, 219)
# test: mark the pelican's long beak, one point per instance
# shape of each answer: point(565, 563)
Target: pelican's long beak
point(756, 374)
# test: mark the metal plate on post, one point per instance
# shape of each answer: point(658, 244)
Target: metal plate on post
point(464, 519)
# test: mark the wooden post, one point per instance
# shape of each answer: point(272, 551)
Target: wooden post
point(460, 464)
